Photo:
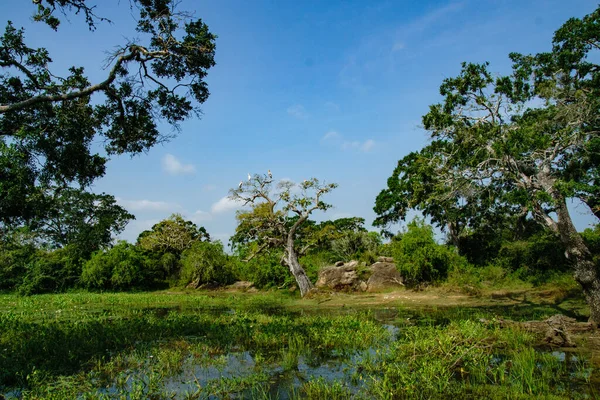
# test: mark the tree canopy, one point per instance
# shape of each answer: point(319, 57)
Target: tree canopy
point(516, 144)
point(49, 122)
point(276, 217)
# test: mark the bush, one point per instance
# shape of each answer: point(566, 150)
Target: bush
point(313, 262)
point(13, 264)
point(122, 267)
point(540, 253)
point(50, 271)
point(205, 262)
point(355, 245)
point(419, 258)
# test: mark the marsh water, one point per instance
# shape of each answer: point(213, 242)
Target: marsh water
point(258, 349)
point(285, 381)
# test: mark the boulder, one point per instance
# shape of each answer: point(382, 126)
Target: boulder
point(355, 276)
point(384, 275)
point(339, 264)
point(345, 277)
point(385, 259)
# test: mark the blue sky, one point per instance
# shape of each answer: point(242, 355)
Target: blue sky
point(330, 89)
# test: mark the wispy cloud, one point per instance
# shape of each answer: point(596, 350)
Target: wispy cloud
point(331, 136)
point(297, 111)
point(175, 167)
point(334, 138)
point(379, 52)
point(200, 216)
point(148, 205)
point(330, 105)
point(365, 146)
point(398, 46)
point(225, 204)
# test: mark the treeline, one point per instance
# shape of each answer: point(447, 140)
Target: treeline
point(177, 253)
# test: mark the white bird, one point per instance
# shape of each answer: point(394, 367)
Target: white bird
point(270, 175)
point(240, 185)
point(249, 177)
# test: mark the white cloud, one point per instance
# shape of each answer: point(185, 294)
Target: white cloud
point(398, 46)
point(332, 106)
point(331, 136)
point(200, 216)
point(336, 139)
point(297, 111)
point(175, 167)
point(147, 205)
point(365, 146)
point(225, 204)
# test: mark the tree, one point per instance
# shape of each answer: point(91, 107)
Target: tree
point(419, 182)
point(172, 235)
point(205, 262)
point(121, 267)
point(276, 217)
point(86, 220)
point(48, 122)
point(518, 141)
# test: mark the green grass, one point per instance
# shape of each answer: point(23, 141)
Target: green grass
point(268, 345)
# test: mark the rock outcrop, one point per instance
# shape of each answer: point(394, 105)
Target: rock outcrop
point(355, 276)
point(384, 275)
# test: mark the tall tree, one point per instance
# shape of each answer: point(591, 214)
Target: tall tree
point(172, 235)
point(525, 142)
point(86, 220)
point(48, 122)
point(276, 217)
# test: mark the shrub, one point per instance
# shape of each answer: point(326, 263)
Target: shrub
point(314, 261)
point(540, 253)
point(419, 258)
point(207, 263)
point(122, 267)
point(353, 244)
point(13, 264)
point(264, 270)
point(50, 271)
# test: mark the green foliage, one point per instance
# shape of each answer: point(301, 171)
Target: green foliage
point(172, 235)
point(265, 270)
point(419, 258)
point(592, 239)
point(316, 260)
point(465, 359)
point(122, 267)
point(205, 262)
point(86, 221)
point(14, 258)
point(350, 244)
point(539, 254)
point(51, 271)
point(52, 122)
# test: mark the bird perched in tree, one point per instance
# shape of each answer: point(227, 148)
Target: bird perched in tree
point(270, 175)
point(249, 177)
point(240, 185)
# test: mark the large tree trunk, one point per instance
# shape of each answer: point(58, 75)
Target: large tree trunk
point(291, 259)
point(579, 255)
